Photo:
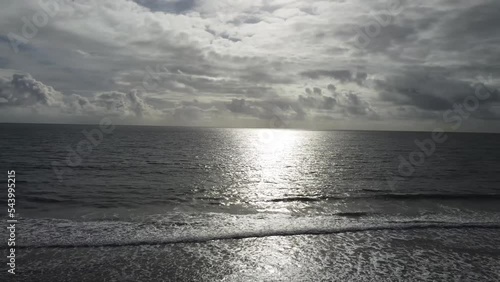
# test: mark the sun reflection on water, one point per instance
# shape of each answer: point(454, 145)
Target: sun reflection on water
point(274, 155)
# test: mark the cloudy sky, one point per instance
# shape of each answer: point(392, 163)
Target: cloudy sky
point(338, 64)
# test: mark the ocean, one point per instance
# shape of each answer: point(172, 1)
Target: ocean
point(138, 203)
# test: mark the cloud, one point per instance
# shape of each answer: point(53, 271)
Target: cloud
point(240, 106)
point(171, 6)
point(124, 104)
point(353, 105)
point(428, 89)
point(341, 75)
point(219, 62)
point(23, 90)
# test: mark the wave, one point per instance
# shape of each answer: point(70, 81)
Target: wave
point(391, 196)
point(303, 198)
point(39, 199)
point(354, 214)
point(442, 196)
point(298, 199)
point(411, 225)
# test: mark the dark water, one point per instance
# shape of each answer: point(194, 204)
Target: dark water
point(262, 192)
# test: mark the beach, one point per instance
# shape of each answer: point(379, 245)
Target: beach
point(200, 204)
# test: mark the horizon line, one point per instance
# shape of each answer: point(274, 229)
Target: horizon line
point(256, 127)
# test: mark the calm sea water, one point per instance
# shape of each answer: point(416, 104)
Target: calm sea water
point(254, 204)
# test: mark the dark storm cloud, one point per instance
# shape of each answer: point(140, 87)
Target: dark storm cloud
point(340, 75)
point(317, 91)
point(159, 103)
point(22, 47)
point(266, 110)
point(331, 88)
point(475, 25)
point(412, 97)
point(240, 106)
point(353, 105)
point(390, 36)
point(245, 19)
point(326, 103)
point(268, 77)
point(177, 6)
point(427, 93)
point(3, 62)
point(413, 113)
point(229, 37)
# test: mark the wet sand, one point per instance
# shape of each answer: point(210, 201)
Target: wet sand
point(463, 254)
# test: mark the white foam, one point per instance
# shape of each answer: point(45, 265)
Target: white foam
point(169, 229)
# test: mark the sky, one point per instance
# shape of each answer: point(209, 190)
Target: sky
point(338, 64)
